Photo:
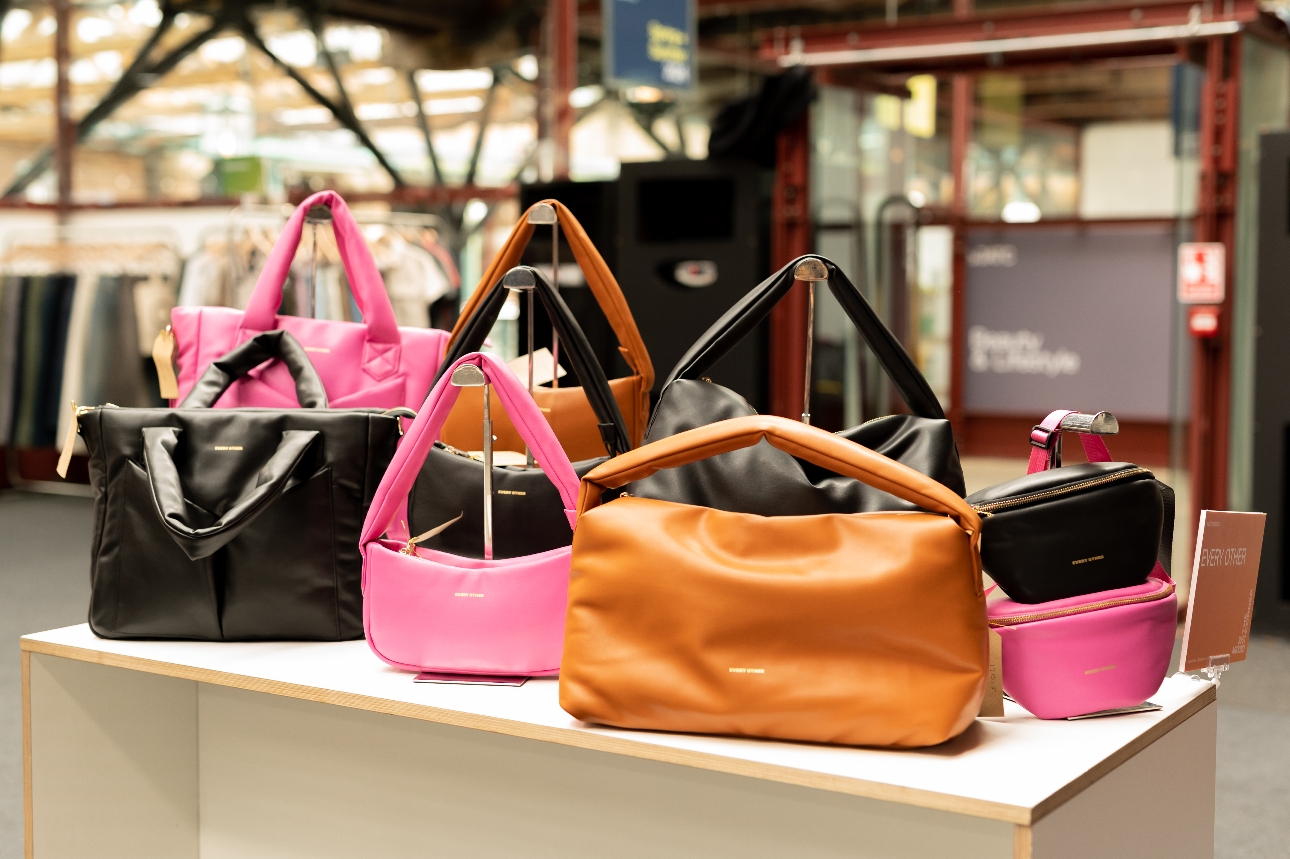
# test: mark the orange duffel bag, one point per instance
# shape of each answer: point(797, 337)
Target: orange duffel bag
point(565, 408)
point(855, 628)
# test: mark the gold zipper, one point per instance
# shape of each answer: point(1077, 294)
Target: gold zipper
point(1007, 503)
point(1046, 615)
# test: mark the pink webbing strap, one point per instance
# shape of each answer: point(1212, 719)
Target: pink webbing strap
point(1043, 438)
point(381, 356)
point(411, 453)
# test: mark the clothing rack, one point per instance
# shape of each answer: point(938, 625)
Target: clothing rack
point(82, 258)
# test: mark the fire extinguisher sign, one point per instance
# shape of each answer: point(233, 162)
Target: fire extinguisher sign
point(1202, 272)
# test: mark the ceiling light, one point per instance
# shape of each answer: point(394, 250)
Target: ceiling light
point(586, 96)
point(15, 24)
point(1020, 212)
point(454, 81)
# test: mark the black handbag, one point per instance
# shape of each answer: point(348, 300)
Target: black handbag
point(234, 524)
point(527, 508)
point(1067, 531)
point(767, 481)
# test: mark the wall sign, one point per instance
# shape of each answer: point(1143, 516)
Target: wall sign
point(649, 43)
point(1202, 272)
point(1069, 317)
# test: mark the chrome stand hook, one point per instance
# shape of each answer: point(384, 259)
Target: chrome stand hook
point(809, 271)
point(521, 279)
point(470, 376)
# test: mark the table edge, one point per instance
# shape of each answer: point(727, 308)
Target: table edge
point(917, 797)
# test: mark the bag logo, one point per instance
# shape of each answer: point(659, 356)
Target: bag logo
point(317, 349)
point(1100, 670)
point(464, 594)
point(1088, 560)
point(510, 492)
point(228, 447)
point(747, 670)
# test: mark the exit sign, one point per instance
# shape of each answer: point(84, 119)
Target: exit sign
point(1202, 272)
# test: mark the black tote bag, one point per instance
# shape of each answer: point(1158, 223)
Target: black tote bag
point(527, 510)
point(767, 481)
point(234, 524)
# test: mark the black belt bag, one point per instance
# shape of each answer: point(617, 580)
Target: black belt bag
point(770, 482)
point(1072, 530)
point(234, 524)
point(527, 509)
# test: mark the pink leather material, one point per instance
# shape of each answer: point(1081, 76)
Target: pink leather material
point(438, 612)
point(371, 363)
point(1044, 436)
point(1096, 656)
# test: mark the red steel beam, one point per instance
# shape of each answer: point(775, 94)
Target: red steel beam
point(981, 35)
point(64, 129)
point(790, 237)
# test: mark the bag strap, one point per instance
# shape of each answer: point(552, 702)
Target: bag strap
point(420, 437)
point(750, 310)
point(265, 346)
point(277, 476)
point(381, 354)
point(1043, 440)
point(591, 376)
point(796, 439)
point(599, 279)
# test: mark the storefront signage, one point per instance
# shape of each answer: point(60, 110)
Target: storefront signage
point(1069, 317)
point(649, 43)
point(1202, 271)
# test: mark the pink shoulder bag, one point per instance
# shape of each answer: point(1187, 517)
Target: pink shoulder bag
point(426, 610)
point(372, 363)
point(1097, 651)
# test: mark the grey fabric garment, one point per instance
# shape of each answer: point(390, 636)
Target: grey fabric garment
point(10, 317)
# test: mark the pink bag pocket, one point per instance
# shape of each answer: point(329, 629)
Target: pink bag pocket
point(1088, 653)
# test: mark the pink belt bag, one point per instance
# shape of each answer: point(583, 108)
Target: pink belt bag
point(372, 363)
point(1088, 653)
point(426, 610)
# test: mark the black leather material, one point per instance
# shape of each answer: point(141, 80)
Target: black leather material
point(767, 481)
point(528, 514)
point(1074, 530)
point(265, 346)
point(232, 524)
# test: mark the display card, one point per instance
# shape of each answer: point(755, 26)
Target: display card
point(1223, 577)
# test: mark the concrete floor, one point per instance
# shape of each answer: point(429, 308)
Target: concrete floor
point(44, 583)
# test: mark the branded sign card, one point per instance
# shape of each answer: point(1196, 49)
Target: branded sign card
point(1223, 576)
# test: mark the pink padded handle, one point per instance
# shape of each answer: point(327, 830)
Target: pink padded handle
point(360, 269)
point(411, 454)
point(1044, 436)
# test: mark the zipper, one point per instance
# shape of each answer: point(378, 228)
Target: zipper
point(993, 507)
point(1015, 619)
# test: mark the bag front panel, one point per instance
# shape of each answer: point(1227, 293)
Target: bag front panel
point(336, 349)
point(566, 409)
point(435, 612)
point(1084, 663)
point(293, 573)
point(862, 630)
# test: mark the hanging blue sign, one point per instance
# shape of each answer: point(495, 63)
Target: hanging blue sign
point(649, 43)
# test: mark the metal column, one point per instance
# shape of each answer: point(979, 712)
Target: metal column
point(790, 237)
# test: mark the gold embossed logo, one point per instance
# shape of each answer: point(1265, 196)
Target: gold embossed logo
point(1087, 560)
point(464, 594)
point(228, 447)
point(747, 670)
point(316, 349)
point(510, 492)
point(1100, 670)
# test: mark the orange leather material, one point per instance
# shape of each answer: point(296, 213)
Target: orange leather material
point(859, 629)
point(570, 415)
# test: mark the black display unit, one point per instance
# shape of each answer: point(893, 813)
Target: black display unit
point(1271, 483)
point(656, 217)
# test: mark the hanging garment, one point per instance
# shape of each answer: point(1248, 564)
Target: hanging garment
point(34, 297)
point(153, 300)
point(415, 280)
point(10, 334)
point(206, 279)
point(78, 330)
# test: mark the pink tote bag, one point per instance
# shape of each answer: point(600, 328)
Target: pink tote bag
point(372, 363)
point(426, 610)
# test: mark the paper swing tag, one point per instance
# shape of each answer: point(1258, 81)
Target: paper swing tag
point(163, 355)
point(992, 704)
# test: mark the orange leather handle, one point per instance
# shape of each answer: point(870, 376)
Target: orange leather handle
point(796, 439)
point(599, 279)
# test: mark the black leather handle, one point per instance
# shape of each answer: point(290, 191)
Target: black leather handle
point(735, 324)
point(264, 346)
point(591, 376)
point(276, 477)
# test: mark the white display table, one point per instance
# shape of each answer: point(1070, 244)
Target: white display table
point(169, 750)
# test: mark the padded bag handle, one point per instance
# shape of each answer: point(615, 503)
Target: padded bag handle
point(599, 279)
point(266, 345)
point(420, 437)
point(591, 376)
point(381, 354)
point(276, 477)
point(796, 439)
point(739, 320)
